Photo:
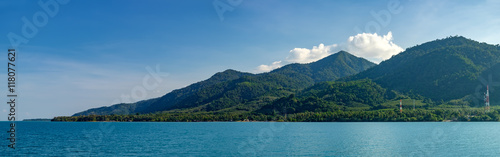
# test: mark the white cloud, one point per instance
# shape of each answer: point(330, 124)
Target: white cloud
point(4, 110)
point(303, 55)
point(372, 47)
point(266, 68)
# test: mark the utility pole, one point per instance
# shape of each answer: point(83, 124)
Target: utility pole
point(487, 99)
point(401, 105)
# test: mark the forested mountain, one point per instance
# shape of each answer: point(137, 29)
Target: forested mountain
point(330, 68)
point(143, 106)
point(443, 80)
point(232, 91)
point(331, 96)
point(444, 69)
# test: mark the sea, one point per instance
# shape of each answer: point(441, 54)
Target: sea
point(252, 139)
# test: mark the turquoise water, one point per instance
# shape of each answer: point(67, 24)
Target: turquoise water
point(252, 139)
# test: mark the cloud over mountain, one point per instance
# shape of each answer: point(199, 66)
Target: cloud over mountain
point(370, 46)
point(304, 55)
point(274, 65)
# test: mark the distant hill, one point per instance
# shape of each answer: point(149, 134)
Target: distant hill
point(38, 120)
point(443, 69)
point(233, 91)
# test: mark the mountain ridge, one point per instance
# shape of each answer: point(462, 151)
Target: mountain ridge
point(229, 89)
point(440, 72)
point(443, 69)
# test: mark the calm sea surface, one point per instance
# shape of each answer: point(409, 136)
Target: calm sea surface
point(252, 139)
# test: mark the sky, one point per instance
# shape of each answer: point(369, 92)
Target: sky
point(81, 54)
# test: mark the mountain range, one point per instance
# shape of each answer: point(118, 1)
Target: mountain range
point(234, 91)
point(449, 71)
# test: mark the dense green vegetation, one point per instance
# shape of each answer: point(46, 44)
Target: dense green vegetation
point(233, 91)
point(444, 69)
point(444, 79)
point(330, 116)
point(167, 100)
point(331, 96)
point(358, 101)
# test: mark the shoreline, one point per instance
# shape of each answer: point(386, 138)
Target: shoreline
point(444, 121)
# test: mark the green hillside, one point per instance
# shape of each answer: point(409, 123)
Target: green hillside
point(442, 79)
point(444, 69)
point(232, 91)
point(168, 99)
point(331, 96)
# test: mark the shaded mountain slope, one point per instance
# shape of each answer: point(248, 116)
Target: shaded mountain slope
point(233, 91)
point(443, 69)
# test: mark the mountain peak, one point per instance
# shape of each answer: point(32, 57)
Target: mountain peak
point(230, 71)
point(228, 74)
point(342, 52)
point(448, 41)
point(330, 68)
point(341, 55)
point(443, 69)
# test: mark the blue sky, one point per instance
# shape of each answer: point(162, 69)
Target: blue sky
point(94, 53)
